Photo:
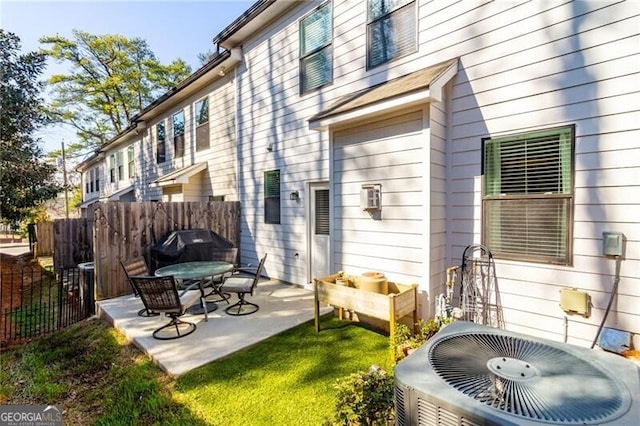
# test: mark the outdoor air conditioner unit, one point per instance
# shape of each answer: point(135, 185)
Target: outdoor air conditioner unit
point(470, 374)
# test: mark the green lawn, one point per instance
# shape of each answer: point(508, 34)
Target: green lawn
point(99, 379)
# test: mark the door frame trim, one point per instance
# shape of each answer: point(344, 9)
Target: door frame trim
point(308, 187)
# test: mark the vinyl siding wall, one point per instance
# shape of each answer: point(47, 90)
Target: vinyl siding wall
point(534, 66)
point(219, 178)
point(522, 66)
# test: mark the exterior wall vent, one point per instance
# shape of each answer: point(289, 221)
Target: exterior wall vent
point(371, 197)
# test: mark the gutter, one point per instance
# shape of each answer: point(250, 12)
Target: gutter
point(256, 9)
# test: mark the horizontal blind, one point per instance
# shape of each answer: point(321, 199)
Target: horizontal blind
point(315, 30)
point(272, 197)
point(378, 8)
point(526, 165)
point(316, 69)
point(392, 36)
point(322, 212)
point(535, 228)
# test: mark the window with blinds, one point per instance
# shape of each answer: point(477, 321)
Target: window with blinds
point(272, 197)
point(178, 134)
point(528, 195)
point(202, 124)
point(120, 165)
point(131, 162)
point(391, 30)
point(112, 168)
point(321, 212)
point(316, 53)
point(161, 152)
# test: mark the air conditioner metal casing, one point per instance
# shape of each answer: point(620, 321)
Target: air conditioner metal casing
point(423, 398)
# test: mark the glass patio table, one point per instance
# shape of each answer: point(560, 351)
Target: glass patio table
point(197, 271)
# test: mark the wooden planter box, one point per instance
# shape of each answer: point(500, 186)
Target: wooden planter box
point(401, 301)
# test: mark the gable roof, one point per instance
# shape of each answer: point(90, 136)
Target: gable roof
point(179, 176)
point(426, 84)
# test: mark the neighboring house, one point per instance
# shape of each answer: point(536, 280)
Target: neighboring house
point(513, 124)
point(389, 135)
point(179, 148)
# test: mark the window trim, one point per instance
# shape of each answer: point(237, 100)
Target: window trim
point(120, 164)
point(161, 144)
point(200, 125)
point(112, 168)
point(178, 144)
point(131, 160)
point(370, 23)
point(327, 45)
point(569, 196)
point(276, 198)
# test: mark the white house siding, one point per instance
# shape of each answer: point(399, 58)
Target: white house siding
point(522, 66)
point(272, 113)
point(539, 65)
point(219, 178)
point(392, 152)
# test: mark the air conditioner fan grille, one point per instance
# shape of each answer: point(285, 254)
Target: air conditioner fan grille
point(526, 378)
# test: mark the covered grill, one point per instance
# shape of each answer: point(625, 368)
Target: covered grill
point(187, 245)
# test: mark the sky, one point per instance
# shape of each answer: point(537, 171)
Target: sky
point(172, 29)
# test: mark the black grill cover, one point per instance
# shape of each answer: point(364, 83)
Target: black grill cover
point(185, 246)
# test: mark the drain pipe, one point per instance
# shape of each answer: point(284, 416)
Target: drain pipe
point(614, 291)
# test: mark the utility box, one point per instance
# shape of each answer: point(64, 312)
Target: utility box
point(612, 243)
point(573, 301)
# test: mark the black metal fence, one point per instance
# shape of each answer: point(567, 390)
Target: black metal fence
point(36, 301)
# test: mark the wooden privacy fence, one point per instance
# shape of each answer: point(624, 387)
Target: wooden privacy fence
point(44, 234)
point(69, 241)
point(128, 230)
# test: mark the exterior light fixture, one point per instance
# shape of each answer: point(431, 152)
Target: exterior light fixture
point(295, 196)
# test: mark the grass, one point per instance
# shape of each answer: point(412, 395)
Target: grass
point(100, 379)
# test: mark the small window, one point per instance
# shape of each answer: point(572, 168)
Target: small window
point(202, 124)
point(120, 165)
point(178, 134)
point(112, 168)
point(272, 197)
point(131, 162)
point(161, 153)
point(316, 53)
point(321, 222)
point(528, 196)
point(216, 198)
point(391, 30)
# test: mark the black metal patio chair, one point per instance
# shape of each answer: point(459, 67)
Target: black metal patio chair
point(135, 267)
point(160, 294)
point(242, 286)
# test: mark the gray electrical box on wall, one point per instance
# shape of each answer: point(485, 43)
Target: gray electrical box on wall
point(612, 243)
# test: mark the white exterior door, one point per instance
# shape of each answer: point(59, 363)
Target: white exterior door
point(319, 226)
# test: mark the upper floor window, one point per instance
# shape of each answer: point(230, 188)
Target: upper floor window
point(97, 179)
point(131, 162)
point(161, 153)
point(316, 53)
point(202, 124)
point(272, 197)
point(87, 178)
point(112, 168)
point(120, 165)
point(391, 30)
point(178, 134)
point(528, 195)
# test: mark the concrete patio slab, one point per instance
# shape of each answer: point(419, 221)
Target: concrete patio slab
point(282, 306)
